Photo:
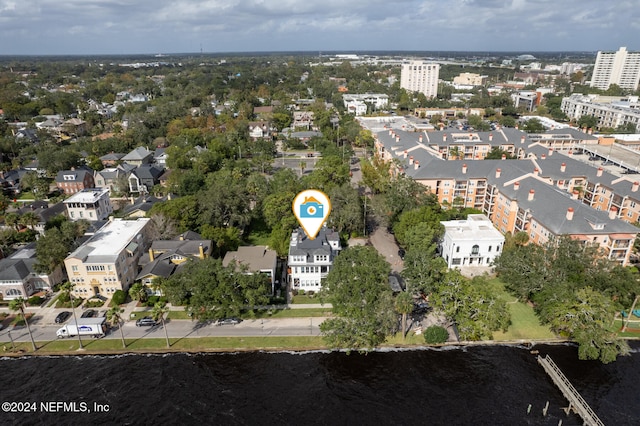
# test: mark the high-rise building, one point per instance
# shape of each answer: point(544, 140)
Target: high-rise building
point(420, 76)
point(621, 68)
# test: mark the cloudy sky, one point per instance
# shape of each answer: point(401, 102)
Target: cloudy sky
point(34, 27)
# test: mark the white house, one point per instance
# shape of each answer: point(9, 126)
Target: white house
point(311, 260)
point(471, 242)
point(90, 204)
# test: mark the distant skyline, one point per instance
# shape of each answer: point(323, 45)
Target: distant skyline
point(74, 27)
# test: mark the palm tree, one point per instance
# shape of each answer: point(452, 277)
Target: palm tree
point(157, 313)
point(29, 219)
point(115, 319)
point(138, 292)
point(11, 219)
point(18, 305)
point(404, 305)
point(67, 288)
point(454, 153)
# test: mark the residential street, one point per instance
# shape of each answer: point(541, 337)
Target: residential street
point(386, 245)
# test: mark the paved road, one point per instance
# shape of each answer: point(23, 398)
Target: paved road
point(182, 329)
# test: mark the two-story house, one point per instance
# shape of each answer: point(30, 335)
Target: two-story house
point(144, 177)
point(311, 260)
point(75, 180)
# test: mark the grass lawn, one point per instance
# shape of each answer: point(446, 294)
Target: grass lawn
point(304, 300)
point(177, 344)
point(524, 322)
point(259, 233)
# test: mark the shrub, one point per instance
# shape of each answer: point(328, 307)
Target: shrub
point(95, 303)
point(152, 300)
point(118, 298)
point(436, 334)
point(294, 292)
point(301, 292)
point(311, 293)
point(35, 300)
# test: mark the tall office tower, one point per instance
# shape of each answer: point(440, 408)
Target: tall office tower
point(621, 68)
point(420, 76)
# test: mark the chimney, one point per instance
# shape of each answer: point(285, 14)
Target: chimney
point(575, 195)
point(441, 126)
point(570, 153)
point(464, 169)
point(584, 130)
point(504, 156)
point(543, 156)
point(390, 132)
point(613, 213)
point(490, 137)
point(590, 131)
point(536, 171)
point(522, 139)
point(420, 139)
point(634, 187)
point(397, 138)
point(531, 194)
point(550, 152)
point(201, 250)
point(516, 186)
point(516, 127)
point(405, 153)
point(599, 172)
point(563, 167)
point(411, 160)
point(417, 165)
point(570, 213)
point(444, 137)
point(498, 171)
point(151, 257)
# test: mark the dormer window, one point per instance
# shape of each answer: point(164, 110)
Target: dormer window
point(69, 177)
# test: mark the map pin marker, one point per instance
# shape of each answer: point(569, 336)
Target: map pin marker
point(311, 207)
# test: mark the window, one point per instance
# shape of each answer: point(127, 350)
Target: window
point(458, 249)
point(475, 249)
point(74, 268)
point(489, 249)
point(95, 268)
point(455, 261)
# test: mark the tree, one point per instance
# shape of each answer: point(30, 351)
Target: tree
point(138, 292)
point(157, 313)
point(346, 209)
point(404, 305)
point(585, 316)
point(588, 121)
point(496, 154)
point(115, 320)
point(358, 288)
point(18, 305)
point(51, 250)
point(29, 220)
point(435, 334)
point(212, 291)
point(533, 125)
point(118, 298)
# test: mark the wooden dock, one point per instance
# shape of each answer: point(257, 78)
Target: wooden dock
point(576, 403)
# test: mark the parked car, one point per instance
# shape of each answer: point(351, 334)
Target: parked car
point(229, 321)
point(62, 317)
point(146, 322)
point(89, 313)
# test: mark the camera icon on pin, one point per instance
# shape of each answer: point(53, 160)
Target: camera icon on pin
point(311, 208)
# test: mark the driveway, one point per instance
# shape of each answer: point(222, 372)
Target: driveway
point(386, 245)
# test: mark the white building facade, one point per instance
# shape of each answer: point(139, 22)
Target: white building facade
point(89, 204)
point(420, 76)
point(311, 260)
point(471, 242)
point(621, 67)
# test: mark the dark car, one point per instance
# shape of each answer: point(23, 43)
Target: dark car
point(62, 317)
point(630, 172)
point(593, 158)
point(146, 322)
point(89, 313)
point(229, 321)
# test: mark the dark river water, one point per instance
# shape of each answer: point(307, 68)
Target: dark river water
point(484, 385)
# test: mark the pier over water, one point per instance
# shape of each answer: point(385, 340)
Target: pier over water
point(576, 403)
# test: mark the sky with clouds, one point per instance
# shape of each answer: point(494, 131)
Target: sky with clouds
point(53, 27)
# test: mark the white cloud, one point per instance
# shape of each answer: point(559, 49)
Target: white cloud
point(150, 26)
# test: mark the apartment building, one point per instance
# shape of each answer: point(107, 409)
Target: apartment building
point(420, 76)
point(90, 204)
point(621, 67)
point(533, 194)
point(470, 79)
point(311, 260)
point(610, 111)
point(108, 261)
